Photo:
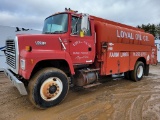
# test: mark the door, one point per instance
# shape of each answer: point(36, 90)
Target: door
point(82, 49)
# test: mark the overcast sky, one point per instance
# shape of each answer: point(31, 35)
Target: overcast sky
point(31, 13)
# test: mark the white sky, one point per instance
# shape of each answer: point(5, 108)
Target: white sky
point(31, 13)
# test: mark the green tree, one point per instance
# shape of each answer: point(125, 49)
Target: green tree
point(158, 28)
point(150, 28)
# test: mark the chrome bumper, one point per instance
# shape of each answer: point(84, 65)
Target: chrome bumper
point(17, 83)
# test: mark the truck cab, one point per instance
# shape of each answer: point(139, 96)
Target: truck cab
point(64, 45)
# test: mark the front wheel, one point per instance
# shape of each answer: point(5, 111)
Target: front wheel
point(48, 87)
point(137, 73)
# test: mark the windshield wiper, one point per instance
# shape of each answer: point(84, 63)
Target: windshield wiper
point(55, 32)
point(46, 32)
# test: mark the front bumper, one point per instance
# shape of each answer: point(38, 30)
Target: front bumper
point(17, 83)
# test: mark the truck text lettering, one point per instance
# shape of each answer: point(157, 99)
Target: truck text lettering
point(130, 35)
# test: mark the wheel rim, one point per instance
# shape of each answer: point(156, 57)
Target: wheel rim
point(139, 71)
point(51, 89)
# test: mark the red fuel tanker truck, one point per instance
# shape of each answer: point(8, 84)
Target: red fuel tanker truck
point(75, 49)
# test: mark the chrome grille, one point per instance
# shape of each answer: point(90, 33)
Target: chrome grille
point(11, 53)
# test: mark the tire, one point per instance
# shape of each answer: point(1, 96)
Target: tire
point(138, 72)
point(48, 87)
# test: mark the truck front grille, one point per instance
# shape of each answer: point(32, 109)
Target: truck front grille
point(11, 53)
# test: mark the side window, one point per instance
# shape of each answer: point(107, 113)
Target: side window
point(76, 26)
point(89, 29)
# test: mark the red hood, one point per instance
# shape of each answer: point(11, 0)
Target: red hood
point(41, 41)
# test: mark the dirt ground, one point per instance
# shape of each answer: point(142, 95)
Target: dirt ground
point(114, 100)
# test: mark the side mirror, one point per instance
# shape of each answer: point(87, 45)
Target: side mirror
point(84, 23)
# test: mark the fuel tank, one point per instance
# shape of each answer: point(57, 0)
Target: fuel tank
point(85, 77)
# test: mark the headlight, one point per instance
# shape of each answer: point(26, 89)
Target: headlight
point(23, 64)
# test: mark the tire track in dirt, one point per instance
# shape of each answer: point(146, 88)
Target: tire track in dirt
point(152, 107)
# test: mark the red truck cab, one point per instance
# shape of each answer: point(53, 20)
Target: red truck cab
point(60, 40)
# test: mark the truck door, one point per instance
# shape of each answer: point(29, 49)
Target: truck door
point(82, 49)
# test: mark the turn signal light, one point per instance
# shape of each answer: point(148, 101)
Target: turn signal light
point(28, 48)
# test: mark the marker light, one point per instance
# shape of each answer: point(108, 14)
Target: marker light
point(28, 48)
point(23, 64)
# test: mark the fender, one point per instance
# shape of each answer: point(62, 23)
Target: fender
point(35, 56)
point(134, 59)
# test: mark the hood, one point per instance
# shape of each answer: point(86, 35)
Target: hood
point(41, 41)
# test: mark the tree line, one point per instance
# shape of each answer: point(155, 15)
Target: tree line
point(151, 28)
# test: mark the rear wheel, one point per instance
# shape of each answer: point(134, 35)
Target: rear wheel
point(137, 73)
point(48, 87)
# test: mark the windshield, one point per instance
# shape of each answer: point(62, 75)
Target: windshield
point(56, 24)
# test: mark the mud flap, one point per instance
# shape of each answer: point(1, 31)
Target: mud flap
point(146, 71)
